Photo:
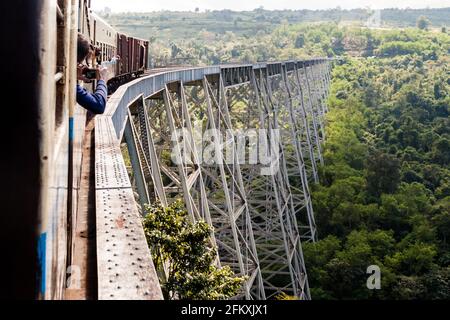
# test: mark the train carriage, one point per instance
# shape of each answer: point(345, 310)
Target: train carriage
point(126, 57)
point(46, 170)
point(123, 50)
point(138, 49)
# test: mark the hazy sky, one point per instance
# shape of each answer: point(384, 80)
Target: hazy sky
point(190, 5)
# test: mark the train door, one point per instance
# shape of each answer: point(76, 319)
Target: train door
point(142, 57)
point(146, 53)
point(130, 54)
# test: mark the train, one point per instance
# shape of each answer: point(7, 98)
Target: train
point(125, 56)
point(42, 191)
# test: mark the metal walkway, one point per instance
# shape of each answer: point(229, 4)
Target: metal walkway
point(259, 220)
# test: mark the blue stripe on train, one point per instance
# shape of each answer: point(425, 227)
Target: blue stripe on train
point(42, 250)
point(71, 134)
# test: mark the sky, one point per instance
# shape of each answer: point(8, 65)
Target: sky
point(240, 5)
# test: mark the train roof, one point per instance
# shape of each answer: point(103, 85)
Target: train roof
point(140, 39)
point(97, 17)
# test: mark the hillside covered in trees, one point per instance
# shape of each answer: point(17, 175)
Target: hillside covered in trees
point(175, 26)
point(212, 37)
point(384, 197)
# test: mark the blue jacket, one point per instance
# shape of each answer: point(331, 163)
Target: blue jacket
point(94, 102)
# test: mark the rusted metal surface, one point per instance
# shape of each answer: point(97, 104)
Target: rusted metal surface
point(125, 267)
point(82, 284)
point(122, 51)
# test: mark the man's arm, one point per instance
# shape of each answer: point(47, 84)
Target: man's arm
point(94, 102)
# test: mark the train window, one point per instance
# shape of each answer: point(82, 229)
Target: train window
point(142, 53)
point(60, 62)
point(80, 17)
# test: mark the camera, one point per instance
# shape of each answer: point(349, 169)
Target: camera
point(91, 74)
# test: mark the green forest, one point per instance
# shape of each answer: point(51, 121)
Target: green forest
point(384, 195)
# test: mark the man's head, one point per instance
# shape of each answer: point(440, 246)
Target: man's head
point(84, 48)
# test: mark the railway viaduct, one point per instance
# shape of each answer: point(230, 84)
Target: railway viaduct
point(261, 213)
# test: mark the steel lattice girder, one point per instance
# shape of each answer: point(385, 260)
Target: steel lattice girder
point(259, 221)
point(279, 216)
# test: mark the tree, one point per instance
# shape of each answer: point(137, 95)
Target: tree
point(300, 41)
point(441, 219)
point(408, 288)
point(383, 173)
point(423, 23)
point(437, 284)
point(441, 151)
point(284, 296)
point(175, 50)
point(185, 249)
point(414, 260)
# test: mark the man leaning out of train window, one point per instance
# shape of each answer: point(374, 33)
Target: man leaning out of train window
point(94, 102)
